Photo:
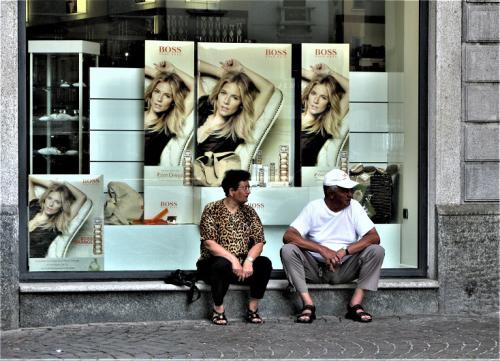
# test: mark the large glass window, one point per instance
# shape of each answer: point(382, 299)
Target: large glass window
point(127, 186)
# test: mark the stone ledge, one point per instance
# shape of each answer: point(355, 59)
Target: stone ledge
point(141, 286)
point(482, 209)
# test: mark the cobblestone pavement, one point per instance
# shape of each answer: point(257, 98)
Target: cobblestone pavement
point(413, 337)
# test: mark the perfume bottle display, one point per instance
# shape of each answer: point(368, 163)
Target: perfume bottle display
point(188, 169)
point(284, 163)
point(98, 228)
point(255, 169)
point(344, 162)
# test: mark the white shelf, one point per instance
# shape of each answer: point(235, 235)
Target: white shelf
point(63, 46)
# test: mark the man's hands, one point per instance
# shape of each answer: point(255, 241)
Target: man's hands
point(332, 258)
point(242, 271)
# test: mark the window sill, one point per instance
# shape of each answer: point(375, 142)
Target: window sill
point(155, 286)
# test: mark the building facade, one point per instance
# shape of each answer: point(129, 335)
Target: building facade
point(457, 169)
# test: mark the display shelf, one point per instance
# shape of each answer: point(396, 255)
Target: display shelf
point(59, 105)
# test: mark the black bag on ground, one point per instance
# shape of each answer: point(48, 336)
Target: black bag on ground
point(188, 279)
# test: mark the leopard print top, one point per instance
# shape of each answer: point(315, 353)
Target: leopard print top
point(237, 232)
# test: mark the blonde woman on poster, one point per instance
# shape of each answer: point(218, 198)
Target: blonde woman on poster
point(51, 214)
point(169, 99)
point(227, 116)
point(325, 103)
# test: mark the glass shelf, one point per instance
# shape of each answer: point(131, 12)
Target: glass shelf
point(59, 104)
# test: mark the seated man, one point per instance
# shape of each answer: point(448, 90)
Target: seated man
point(232, 239)
point(333, 241)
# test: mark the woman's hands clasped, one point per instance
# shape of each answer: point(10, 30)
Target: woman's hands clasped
point(242, 271)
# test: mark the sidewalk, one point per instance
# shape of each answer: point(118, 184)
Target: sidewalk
point(412, 337)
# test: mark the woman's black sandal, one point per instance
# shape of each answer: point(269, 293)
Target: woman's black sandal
point(307, 317)
point(352, 314)
point(217, 317)
point(253, 317)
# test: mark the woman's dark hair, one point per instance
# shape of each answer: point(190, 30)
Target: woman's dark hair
point(232, 179)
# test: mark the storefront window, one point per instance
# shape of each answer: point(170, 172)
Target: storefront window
point(121, 154)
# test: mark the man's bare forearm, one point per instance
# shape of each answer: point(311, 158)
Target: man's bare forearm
point(293, 236)
point(371, 237)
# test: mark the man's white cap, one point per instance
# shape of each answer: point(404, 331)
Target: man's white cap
point(336, 177)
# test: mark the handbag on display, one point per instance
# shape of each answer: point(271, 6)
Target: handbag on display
point(375, 191)
point(381, 197)
point(209, 169)
point(123, 204)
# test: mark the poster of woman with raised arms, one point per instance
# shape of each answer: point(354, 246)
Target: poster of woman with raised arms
point(324, 106)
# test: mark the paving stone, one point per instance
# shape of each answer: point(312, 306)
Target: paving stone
point(429, 337)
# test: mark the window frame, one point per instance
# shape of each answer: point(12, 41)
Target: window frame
point(23, 81)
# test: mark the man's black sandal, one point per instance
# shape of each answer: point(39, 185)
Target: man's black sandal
point(218, 317)
point(352, 314)
point(307, 317)
point(253, 317)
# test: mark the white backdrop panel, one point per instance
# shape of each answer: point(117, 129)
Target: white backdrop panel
point(117, 83)
point(128, 172)
point(116, 114)
point(124, 145)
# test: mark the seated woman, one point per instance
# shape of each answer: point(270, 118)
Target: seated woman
point(226, 117)
point(50, 215)
point(169, 99)
point(232, 239)
point(325, 104)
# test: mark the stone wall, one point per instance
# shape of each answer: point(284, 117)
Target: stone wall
point(481, 115)
point(467, 226)
point(44, 309)
point(468, 239)
point(9, 217)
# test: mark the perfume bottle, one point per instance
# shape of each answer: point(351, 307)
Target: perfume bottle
point(272, 172)
point(262, 180)
point(258, 157)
